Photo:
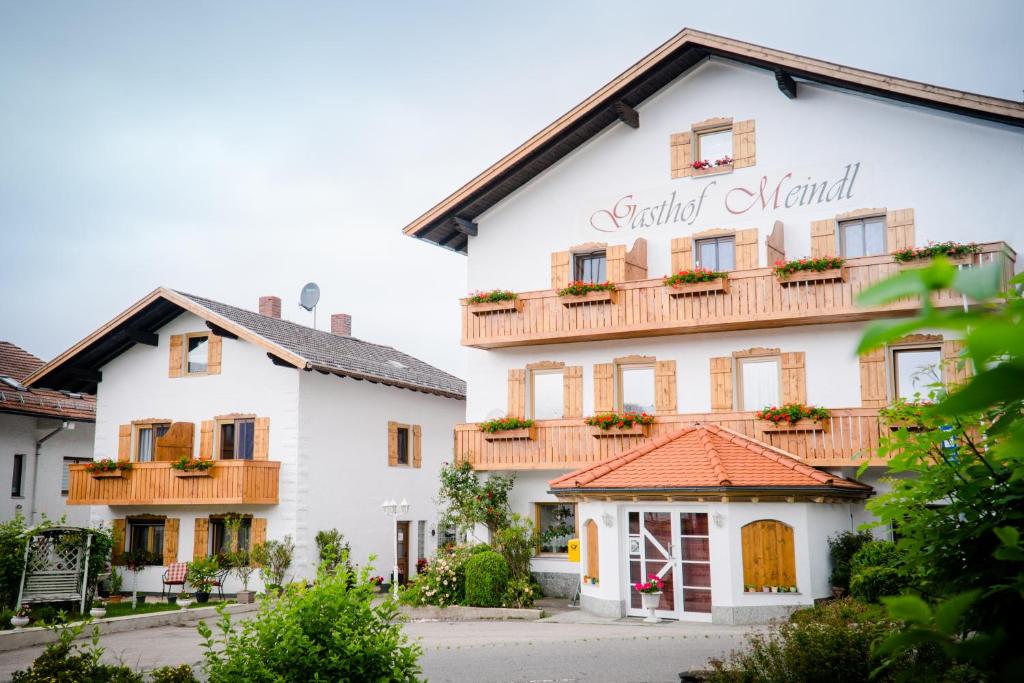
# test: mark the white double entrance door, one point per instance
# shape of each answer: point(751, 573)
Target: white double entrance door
point(672, 546)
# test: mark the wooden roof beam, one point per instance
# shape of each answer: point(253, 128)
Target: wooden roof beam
point(466, 226)
point(626, 114)
point(134, 334)
point(220, 331)
point(787, 86)
point(84, 374)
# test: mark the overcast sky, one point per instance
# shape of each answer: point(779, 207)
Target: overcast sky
point(235, 149)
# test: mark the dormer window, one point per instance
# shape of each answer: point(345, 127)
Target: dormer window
point(591, 266)
point(197, 354)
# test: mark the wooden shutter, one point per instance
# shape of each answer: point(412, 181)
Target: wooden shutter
point(823, 238)
point(746, 249)
point(721, 384)
point(665, 387)
point(636, 261)
point(176, 443)
point(956, 368)
point(170, 541)
point(258, 532)
point(417, 446)
point(899, 228)
point(744, 150)
point(615, 257)
point(213, 357)
point(604, 387)
point(261, 439)
point(681, 148)
point(775, 244)
point(794, 378)
point(517, 392)
point(200, 539)
point(119, 528)
point(206, 439)
point(392, 444)
point(176, 362)
point(593, 557)
point(874, 388)
point(682, 254)
point(572, 399)
point(124, 443)
point(561, 265)
point(769, 557)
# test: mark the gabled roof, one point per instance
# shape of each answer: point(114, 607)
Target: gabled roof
point(16, 364)
point(286, 343)
point(450, 223)
point(709, 458)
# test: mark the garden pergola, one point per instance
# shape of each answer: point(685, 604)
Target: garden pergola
point(56, 567)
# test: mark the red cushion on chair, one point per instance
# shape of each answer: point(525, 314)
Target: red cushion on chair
point(175, 574)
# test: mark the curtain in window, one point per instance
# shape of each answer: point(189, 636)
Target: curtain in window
point(760, 384)
point(145, 452)
point(246, 431)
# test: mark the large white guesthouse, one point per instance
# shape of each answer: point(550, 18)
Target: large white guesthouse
point(306, 429)
point(715, 154)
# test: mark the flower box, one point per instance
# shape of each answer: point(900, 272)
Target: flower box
point(965, 260)
point(712, 170)
point(511, 306)
point(813, 276)
point(804, 425)
point(522, 434)
point(632, 430)
point(718, 286)
point(186, 474)
point(109, 474)
point(600, 297)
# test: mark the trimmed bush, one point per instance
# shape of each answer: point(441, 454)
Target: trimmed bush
point(486, 579)
point(876, 571)
point(841, 549)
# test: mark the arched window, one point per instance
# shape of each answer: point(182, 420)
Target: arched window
point(769, 558)
point(590, 531)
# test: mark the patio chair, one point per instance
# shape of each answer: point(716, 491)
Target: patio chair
point(218, 581)
point(174, 575)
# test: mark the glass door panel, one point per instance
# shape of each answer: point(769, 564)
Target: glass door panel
point(650, 553)
point(695, 562)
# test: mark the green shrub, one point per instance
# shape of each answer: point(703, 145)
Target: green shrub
point(334, 550)
point(66, 660)
point(841, 549)
point(443, 583)
point(12, 556)
point(329, 632)
point(173, 674)
point(518, 593)
point(516, 543)
point(486, 579)
point(876, 571)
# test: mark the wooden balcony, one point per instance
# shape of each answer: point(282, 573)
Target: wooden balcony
point(754, 299)
point(156, 483)
point(567, 444)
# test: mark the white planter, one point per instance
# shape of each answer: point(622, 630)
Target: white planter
point(19, 622)
point(184, 603)
point(650, 603)
point(98, 612)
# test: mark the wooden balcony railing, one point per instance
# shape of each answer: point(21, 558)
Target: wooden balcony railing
point(850, 435)
point(755, 299)
point(156, 483)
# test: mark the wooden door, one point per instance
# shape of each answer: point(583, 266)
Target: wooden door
point(403, 552)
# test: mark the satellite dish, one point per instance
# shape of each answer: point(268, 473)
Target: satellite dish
point(310, 296)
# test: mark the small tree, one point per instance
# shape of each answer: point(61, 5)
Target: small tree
point(334, 551)
point(274, 559)
point(466, 502)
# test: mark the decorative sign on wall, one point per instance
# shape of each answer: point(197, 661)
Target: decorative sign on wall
point(688, 201)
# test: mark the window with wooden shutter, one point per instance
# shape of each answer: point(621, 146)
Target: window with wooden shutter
point(721, 384)
point(794, 378)
point(572, 379)
point(200, 538)
point(775, 244)
point(392, 444)
point(176, 362)
point(545, 390)
point(627, 265)
point(956, 368)
point(119, 527)
point(665, 387)
point(635, 384)
point(517, 392)
point(604, 387)
point(769, 555)
point(593, 550)
point(561, 265)
point(171, 541)
point(744, 148)
point(823, 239)
point(747, 257)
point(259, 531)
point(899, 228)
point(176, 443)
point(206, 429)
point(124, 443)
point(261, 439)
point(682, 254)
point(681, 155)
point(214, 360)
point(874, 384)
point(417, 446)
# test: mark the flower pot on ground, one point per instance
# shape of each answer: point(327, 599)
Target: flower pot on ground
point(245, 597)
point(19, 622)
point(201, 575)
point(184, 600)
point(98, 612)
point(202, 597)
point(115, 599)
point(172, 599)
point(650, 596)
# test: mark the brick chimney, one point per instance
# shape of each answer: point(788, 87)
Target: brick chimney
point(341, 324)
point(270, 306)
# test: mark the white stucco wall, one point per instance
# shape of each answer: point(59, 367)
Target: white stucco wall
point(18, 434)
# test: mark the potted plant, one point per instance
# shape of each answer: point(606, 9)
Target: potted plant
point(956, 252)
point(792, 589)
point(20, 619)
point(611, 424)
point(378, 583)
point(579, 293)
point(201, 575)
point(172, 599)
point(242, 566)
point(824, 269)
point(766, 589)
point(190, 467)
point(107, 468)
point(116, 582)
point(494, 301)
point(508, 429)
point(697, 281)
point(184, 600)
point(749, 588)
point(650, 596)
point(98, 610)
point(794, 417)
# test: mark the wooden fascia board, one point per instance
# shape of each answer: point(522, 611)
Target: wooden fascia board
point(397, 384)
point(183, 302)
point(790, 62)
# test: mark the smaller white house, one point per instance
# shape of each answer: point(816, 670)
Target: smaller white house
point(42, 434)
point(737, 530)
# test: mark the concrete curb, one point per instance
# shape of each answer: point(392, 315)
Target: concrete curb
point(16, 640)
point(458, 613)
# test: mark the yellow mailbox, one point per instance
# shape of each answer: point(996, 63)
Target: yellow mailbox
point(574, 550)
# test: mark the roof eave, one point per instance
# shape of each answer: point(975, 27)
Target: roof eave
point(826, 491)
point(387, 382)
